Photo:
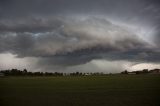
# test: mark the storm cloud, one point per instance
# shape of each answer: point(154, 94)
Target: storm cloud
point(62, 34)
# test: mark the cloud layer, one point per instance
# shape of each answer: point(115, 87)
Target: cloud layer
point(66, 34)
point(71, 41)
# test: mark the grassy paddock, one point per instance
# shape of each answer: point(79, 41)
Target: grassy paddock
point(111, 90)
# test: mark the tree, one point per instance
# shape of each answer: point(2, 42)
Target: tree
point(25, 70)
point(124, 72)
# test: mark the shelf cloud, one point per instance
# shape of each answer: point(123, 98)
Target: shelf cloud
point(68, 34)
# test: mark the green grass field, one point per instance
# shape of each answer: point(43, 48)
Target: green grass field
point(111, 90)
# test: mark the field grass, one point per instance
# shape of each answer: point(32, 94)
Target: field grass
point(111, 90)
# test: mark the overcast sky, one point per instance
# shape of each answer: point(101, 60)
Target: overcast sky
point(80, 35)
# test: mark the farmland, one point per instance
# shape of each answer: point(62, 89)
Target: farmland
point(109, 90)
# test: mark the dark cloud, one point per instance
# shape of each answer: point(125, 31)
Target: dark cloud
point(74, 41)
point(77, 58)
point(69, 35)
point(16, 43)
point(73, 32)
point(29, 25)
point(20, 8)
point(157, 36)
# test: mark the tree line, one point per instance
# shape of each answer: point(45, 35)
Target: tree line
point(16, 72)
point(144, 71)
point(24, 72)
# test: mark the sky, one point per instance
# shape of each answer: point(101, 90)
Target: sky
point(80, 35)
